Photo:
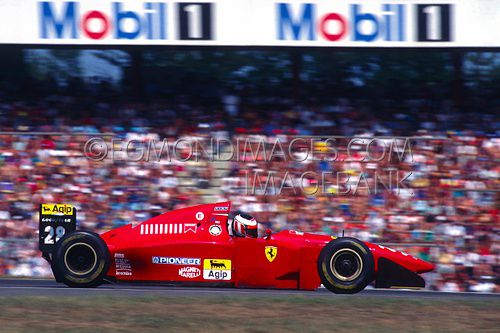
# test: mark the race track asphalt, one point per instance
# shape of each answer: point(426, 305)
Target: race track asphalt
point(32, 287)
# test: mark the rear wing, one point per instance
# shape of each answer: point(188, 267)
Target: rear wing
point(56, 220)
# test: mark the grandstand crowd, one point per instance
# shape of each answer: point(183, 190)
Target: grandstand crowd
point(446, 212)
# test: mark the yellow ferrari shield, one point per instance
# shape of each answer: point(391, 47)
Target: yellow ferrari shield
point(271, 252)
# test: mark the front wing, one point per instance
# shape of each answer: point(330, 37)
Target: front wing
point(393, 275)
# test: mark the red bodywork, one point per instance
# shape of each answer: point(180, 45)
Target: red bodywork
point(185, 246)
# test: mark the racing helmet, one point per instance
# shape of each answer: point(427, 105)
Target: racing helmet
point(244, 225)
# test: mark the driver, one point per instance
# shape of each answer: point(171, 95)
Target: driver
point(243, 225)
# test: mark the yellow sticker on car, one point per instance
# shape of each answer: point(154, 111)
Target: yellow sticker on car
point(271, 253)
point(57, 209)
point(217, 269)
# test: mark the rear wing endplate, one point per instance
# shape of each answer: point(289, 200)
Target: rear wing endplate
point(56, 220)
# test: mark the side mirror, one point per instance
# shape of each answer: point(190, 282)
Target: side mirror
point(268, 233)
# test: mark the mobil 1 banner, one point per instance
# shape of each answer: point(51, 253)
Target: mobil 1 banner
point(56, 220)
point(384, 23)
point(336, 23)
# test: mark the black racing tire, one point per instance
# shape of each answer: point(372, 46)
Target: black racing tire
point(81, 260)
point(346, 265)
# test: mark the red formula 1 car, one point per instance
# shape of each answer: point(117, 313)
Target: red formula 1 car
point(194, 246)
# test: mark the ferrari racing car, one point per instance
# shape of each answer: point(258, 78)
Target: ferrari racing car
point(201, 245)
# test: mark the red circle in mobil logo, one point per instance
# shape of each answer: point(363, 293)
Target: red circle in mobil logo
point(92, 18)
point(333, 17)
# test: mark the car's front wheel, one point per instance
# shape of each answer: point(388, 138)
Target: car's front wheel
point(81, 259)
point(345, 265)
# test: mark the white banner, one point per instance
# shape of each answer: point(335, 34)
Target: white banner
point(326, 23)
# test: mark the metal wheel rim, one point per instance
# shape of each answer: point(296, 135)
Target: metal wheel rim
point(353, 257)
point(70, 266)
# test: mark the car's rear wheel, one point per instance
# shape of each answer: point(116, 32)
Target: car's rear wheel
point(345, 266)
point(81, 259)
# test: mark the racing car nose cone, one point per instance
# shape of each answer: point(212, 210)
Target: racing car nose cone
point(425, 266)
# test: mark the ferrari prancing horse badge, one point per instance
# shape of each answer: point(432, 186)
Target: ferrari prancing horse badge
point(271, 252)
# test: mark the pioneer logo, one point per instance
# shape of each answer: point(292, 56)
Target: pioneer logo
point(176, 261)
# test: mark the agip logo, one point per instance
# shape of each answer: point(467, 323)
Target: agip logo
point(391, 22)
point(217, 269)
point(151, 21)
point(57, 209)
